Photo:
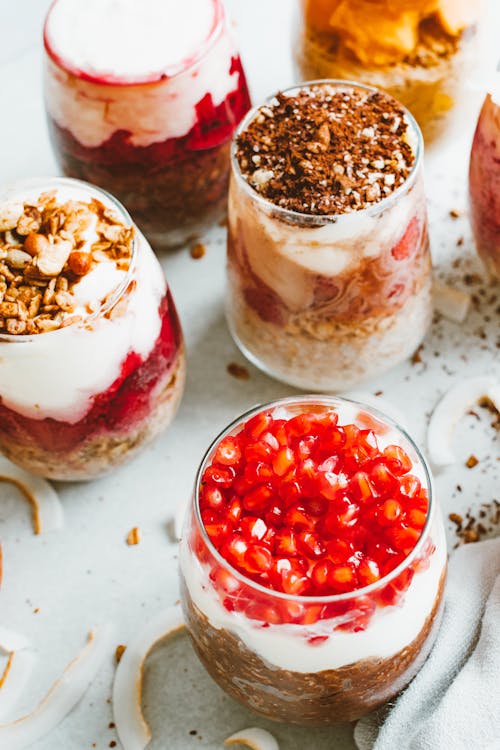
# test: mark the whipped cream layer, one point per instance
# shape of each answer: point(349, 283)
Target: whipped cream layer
point(56, 374)
point(150, 112)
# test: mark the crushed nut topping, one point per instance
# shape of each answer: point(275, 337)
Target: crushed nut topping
point(327, 150)
point(45, 250)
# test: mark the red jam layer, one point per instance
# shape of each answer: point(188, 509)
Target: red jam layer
point(116, 410)
point(214, 127)
point(308, 507)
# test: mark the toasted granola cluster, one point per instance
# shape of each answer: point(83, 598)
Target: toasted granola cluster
point(46, 248)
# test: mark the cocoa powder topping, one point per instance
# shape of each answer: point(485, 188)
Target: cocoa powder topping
point(326, 149)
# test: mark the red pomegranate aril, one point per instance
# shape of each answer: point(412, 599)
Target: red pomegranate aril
point(218, 532)
point(219, 476)
point(398, 460)
point(234, 550)
point(278, 429)
point(224, 581)
point(329, 485)
point(389, 513)
point(290, 492)
point(255, 452)
point(297, 517)
point(269, 439)
point(285, 543)
point(330, 418)
point(295, 583)
point(416, 518)
point(234, 510)
point(300, 426)
point(263, 613)
point(403, 538)
point(343, 578)
point(368, 572)
point(255, 473)
point(256, 426)
point(362, 487)
point(316, 506)
point(310, 544)
point(258, 498)
point(257, 559)
point(212, 497)
point(306, 447)
point(339, 551)
point(351, 435)
point(274, 516)
point(252, 527)
point(228, 452)
point(409, 485)
point(334, 439)
point(384, 480)
point(321, 572)
point(283, 461)
point(209, 516)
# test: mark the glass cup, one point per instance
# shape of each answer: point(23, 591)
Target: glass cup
point(421, 53)
point(160, 143)
point(77, 401)
point(326, 302)
point(314, 660)
point(484, 185)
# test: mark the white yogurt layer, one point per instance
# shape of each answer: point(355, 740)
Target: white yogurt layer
point(127, 39)
point(150, 113)
point(56, 374)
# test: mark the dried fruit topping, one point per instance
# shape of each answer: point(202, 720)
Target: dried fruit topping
point(45, 250)
point(311, 507)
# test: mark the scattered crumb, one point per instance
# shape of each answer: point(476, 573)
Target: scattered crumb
point(193, 732)
point(112, 743)
point(238, 371)
point(417, 355)
point(471, 462)
point(134, 536)
point(455, 214)
point(111, 725)
point(378, 393)
point(197, 251)
point(37, 610)
point(460, 242)
point(473, 528)
point(456, 518)
point(120, 650)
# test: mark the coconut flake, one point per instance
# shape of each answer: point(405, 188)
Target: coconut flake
point(131, 726)
point(255, 738)
point(62, 697)
point(10, 641)
point(47, 509)
point(15, 677)
point(452, 303)
point(451, 409)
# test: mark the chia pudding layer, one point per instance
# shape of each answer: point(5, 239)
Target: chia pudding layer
point(329, 270)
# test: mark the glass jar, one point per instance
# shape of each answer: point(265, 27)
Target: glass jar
point(314, 660)
point(80, 400)
point(421, 53)
point(484, 184)
point(158, 140)
point(324, 302)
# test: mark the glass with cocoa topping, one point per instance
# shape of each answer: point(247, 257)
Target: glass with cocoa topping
point(313, 560)
point(142, 99)
point(329, 272)
point(484, 183)
point(91, 352)
point(419, 51)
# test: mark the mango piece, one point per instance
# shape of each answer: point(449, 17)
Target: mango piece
point(455, 15)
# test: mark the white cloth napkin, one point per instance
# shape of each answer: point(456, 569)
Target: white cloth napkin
point(454, 701)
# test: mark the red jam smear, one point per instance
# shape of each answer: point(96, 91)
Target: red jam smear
point(116, 410)
point(309, 507)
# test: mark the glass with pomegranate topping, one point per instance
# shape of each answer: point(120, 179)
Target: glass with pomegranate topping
point(329, 273)
point(419, 51)
point(313, 560)
point(484, 182)
point(91, 353)
point(142, 99)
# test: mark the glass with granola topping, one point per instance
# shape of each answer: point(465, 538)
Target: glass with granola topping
point(142, 99)
point(329, 274)
point(419, 51)
point(313, 560)
point(91, 353)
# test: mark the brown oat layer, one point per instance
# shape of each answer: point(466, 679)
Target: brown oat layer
point(44, 252)
point(316, 698)
point(326, 149)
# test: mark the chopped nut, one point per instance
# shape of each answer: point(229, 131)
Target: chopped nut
point(8, 309)
point(17, 258)
point(51, 260)
point(80, 262)
point(471, 462)
point(120, 650)
point(10, 213)
point(35, 243)
point(197, 251)
point(238, 371)
point(134, 536)
point(30, 221)
point(15, 327)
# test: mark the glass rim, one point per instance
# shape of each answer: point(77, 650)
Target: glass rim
point(46, 184)
point(324, 219)
point(184, 66)
point(332, 598)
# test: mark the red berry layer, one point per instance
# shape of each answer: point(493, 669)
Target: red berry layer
point(308, 507)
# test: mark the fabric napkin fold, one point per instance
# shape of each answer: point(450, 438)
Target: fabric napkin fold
point(454, 701)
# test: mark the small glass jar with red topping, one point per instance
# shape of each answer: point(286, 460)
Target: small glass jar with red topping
point(484, 183)
point(142, 99)
point(92, 360)
point(313, 560)
point(329, 271)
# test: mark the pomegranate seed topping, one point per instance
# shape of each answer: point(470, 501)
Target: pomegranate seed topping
point(307, 506)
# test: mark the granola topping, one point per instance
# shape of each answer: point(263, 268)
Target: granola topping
point(59, 261)
point(327, 149)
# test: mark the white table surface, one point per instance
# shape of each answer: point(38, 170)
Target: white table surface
point(57, 587)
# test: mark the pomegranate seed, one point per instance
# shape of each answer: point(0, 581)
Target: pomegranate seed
point(306, 446)
point(410, 485)
point(398, 460)
point(310, 544)
point(320, 574)
point(218, 532)
point(274, 516)
point(252, 527)
point(224, 581)
point(404, 538)
point(234, 509)
point(283, 461)
point(362, 487)
point(221, 477)
point(351, 435)
point(258, 559)
point(300, 426)
point(316, 506)
point(255, 473)
point(384, 480)
point(290, 492)
point(389, 513)
point(258, 452)
point(212, 497)
point(278, 429)
point(417, 518)
point(294, 583)
point(258, 498)
point(263, 613)
point(234, 550)
point(285, 543)
point(296, 517)
point(330, 418)
point(368, 572)
point(228, 452)
point(343, 578)
point(256, 426)
point(269, 439)
point(339, 551)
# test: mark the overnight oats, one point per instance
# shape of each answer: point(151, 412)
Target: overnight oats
point(329, 273)
point(91, 353)
point(142, 99)
point(484, 183)
point(419, 51)
point(313, 560)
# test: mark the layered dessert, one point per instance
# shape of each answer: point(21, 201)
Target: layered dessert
point(329, 277)
point(142, 99)
point(484, 183)
point(91, 353)
point(313, 561)
point(419, 51)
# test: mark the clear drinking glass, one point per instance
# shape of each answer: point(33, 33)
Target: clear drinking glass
point(314, 660)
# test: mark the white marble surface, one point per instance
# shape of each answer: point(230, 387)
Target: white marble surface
point(57, 587)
